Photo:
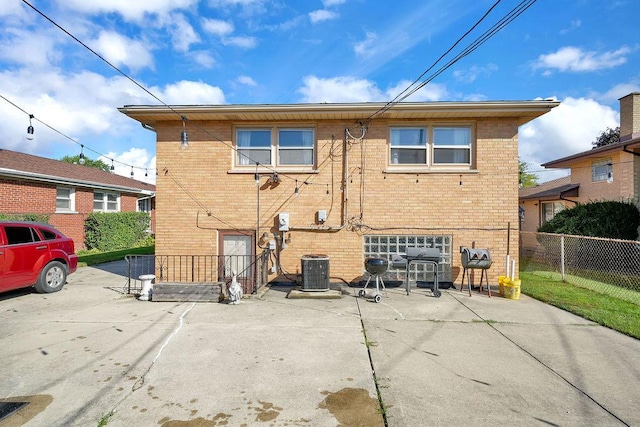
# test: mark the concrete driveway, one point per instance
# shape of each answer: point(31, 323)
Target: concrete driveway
point(92, 354)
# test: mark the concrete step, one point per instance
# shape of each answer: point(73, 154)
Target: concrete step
point(187, 292)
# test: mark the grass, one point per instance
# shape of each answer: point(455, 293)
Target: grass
point(91, 259)
point(614, 313)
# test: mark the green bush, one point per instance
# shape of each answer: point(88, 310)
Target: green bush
point(26, 217)
point(117, 230)
point(614, 220)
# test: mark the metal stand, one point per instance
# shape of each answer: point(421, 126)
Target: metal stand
point(377, 297)
point(482, 275)
point(436, 291)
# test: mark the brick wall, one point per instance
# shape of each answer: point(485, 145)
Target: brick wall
point(475, 207)
point(630, 114)
point(20, 197)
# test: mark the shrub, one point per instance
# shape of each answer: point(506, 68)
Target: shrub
point(26, 217)
point(117, 230)
point(610, 219)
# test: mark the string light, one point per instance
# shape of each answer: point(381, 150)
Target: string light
point(296, 191)
point(30, 135)
point(184, 138)
point(131, 171)
point(81, 159)
point(112, 168)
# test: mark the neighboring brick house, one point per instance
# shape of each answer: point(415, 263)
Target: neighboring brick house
point(610, 172)
point(419, 174)
point(67, 192)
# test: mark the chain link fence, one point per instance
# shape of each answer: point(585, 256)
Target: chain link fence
point(607, 266)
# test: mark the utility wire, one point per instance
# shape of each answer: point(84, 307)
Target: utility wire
point(131, 79)
point(414, 87)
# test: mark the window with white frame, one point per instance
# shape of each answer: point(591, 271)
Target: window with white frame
point(430, 145)
point(144, 205)
point(602, 170)
point(275, 147)
point(452, 145)
point(550, 209)
point(65, 199)
point(106, 202)
point(253, 146)
point(408, 146)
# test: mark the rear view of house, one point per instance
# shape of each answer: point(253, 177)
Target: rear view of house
point(343, 181)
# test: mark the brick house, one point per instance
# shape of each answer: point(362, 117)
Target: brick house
point(313, 179)
point(67, 192)
point(610, 172)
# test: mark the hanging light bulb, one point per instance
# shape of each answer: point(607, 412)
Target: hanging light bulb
point(146, 173)
point(112, 168)
point(131, 171)
point(30, 135)
point(82, 159)
point(184, 138)
point(296, 191)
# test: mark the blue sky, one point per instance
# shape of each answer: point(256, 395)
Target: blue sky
point(584, 53)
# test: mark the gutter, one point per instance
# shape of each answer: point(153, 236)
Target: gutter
point(66, 181)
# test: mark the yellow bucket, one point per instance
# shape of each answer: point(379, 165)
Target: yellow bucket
point(501, 280)
point(511, 290)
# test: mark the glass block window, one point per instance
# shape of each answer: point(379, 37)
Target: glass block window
point(384, 246)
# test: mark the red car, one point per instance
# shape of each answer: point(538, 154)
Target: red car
point(34, 254)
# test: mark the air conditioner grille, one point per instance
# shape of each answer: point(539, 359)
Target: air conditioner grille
point(315, 272)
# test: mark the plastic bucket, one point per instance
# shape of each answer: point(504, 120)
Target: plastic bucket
point(512, 289)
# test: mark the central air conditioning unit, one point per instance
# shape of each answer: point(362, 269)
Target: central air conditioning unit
point(315, 273)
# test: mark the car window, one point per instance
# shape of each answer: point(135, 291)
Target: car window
point(48, 235)
point(17, 235)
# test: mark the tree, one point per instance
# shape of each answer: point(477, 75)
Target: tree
point(609, 136)
point(99, 164)
point(526, 179)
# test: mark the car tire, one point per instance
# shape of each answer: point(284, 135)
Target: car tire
point(52, 278)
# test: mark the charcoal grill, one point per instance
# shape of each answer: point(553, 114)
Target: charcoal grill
point(475, 259)
point(429, 256)
point(375, 267)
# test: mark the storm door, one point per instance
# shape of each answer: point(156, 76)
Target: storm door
point(237, 253)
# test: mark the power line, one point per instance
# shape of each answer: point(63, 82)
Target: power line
point(413, 88)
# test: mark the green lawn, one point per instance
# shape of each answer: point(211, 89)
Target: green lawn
point(84, 260)
point(614, 313)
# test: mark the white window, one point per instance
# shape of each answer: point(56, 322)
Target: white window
point(106, 202)
point(550, 209)
point(254, 146)
point(144, 205)
point(65, 199)
point(430, 145)
point(295, 147)
point(602, 170)
point(275, 147)
point(409, 146)
point(452, 145)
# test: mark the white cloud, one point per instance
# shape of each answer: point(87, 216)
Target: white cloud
point(246, 81)
point(120, 50)
point(244, 42)
point(366, 47)
point(217, 27)
point(617, 92)
point(203, 58)
point(568, 129)
point(329, 3)
point(141, 160)
point(129, 10)
point(29, 48)
point(472, 73)
point(182, 33)
point(322, 15)
point(574, 59)
point(352, 89)
point(191, 93)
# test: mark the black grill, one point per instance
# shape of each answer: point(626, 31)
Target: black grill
point(475, 259)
